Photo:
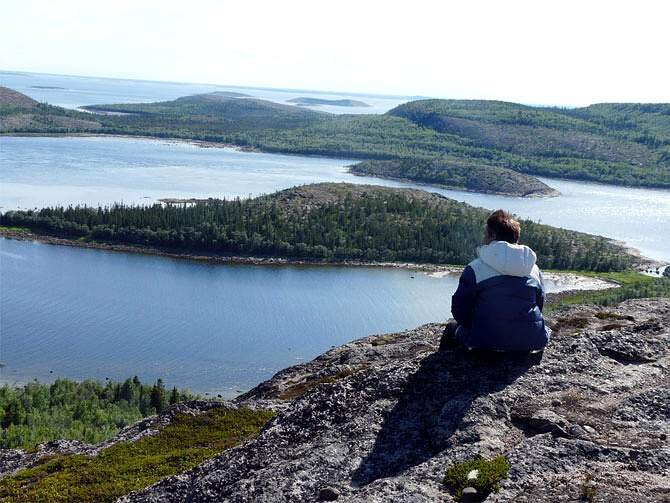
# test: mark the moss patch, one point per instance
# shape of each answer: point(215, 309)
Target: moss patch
point(301, 388)
point(130, 466)
point(383, 340)
point(609, 315)
point(576, 322)
point(490, 473)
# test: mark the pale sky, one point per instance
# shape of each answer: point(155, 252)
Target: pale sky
point(539, 51)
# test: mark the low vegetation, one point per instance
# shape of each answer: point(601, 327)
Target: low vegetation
point(327, 222)
point(482, 474)
point(632, 285)
point(89, 410)
point(126, 467)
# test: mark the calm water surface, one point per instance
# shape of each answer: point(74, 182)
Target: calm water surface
point(219, 328)
point(87, 313)
point(213, 328)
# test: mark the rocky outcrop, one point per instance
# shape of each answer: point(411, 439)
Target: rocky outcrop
point(383, 418)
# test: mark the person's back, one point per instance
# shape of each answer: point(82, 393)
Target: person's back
point(499, 300)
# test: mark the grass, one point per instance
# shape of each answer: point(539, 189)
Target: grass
point(491, 472)
point(14, 229)
point(130, 466)
point(632, 285)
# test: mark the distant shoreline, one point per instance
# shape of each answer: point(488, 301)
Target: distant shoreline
point(581, 283)
point(549, 194)
point(219, 258)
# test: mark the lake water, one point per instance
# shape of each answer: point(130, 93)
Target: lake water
point(38, 172)
point(72, 92)
point(86, 313)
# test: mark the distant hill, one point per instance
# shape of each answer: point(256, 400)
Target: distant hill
point(622, 144)
point(20, 113)
point(321, 101)
point(213, 112)
point(10, 97)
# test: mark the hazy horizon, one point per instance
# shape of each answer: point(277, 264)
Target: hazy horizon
point(561, 54)
point(335, 92)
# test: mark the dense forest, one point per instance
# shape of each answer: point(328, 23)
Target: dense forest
point(625, 144)
point(87, 410)
point(452, 173)
point(326, 222)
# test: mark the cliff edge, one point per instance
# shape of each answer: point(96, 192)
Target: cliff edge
point(383, 419)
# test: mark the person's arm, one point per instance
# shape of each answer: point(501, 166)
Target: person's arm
point(540, 294)
point(463, 300)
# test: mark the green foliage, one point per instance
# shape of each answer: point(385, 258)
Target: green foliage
point(87, 410)
point(326, 222)
point(491, 472)
point(126, 467)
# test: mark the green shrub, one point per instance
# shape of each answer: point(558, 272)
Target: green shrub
point(130, 466)
point(89, 410)
point(491, 472)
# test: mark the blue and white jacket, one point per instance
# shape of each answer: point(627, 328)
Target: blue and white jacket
point(499, 300)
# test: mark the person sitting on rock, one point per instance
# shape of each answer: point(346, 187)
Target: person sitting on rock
point(500, 295)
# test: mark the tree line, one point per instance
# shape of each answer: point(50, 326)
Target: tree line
point(385, 225)
point(89, 410)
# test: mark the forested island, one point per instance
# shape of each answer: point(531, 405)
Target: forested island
point(323, 222)
point(624, 144)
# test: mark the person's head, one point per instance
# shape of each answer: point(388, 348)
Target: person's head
point(501, 226)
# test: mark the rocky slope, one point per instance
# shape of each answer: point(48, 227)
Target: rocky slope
point(383, 418)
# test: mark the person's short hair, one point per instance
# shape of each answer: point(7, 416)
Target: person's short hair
point(502, 226)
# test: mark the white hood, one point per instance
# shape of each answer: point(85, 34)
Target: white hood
point(508, 259)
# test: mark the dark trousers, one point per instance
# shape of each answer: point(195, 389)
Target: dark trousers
point(450, 336)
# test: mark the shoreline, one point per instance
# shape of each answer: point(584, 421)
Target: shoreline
point(577, 281)
point(167, 139)
point(219, 258)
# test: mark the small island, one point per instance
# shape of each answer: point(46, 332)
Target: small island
point(306, 102)
point(46, 87)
